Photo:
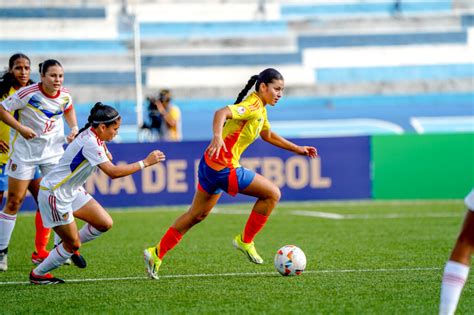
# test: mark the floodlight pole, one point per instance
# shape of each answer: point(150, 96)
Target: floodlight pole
point(138, 74)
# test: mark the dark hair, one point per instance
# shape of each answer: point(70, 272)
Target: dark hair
point(165, 95)
point(266, 76)
point(101, 114)
point(45, 65)
point(7, 80)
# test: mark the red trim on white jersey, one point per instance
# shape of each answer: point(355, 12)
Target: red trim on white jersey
point(46, 94)
point(28, 90)
point(68, 108)
point(99, 142)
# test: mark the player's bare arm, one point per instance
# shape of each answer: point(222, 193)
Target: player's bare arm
point(116, 171)
point(217, 143)
point(278, 141)
point(8, 119)
point(71, 119)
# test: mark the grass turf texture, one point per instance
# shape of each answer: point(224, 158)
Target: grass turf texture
point(387, 259)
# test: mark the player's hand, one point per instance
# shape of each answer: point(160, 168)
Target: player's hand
point(215, 147)
point(27, 132)
point(4, 147)
point(311, 152)
point(154, 157)
point(72, 135)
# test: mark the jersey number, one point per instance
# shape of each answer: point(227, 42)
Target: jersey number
point(48, 126)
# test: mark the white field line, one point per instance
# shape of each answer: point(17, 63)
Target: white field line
point(235, 274)
point(337, 216)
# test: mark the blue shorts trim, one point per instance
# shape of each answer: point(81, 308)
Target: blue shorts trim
point(229, 180)
point(3, 178)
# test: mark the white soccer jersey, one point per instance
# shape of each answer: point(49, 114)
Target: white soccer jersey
point(42, 113)
point(79, 160)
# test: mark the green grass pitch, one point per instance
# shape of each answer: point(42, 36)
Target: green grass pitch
point(363, 258)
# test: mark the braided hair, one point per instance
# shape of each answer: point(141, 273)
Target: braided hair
point(7, 80)
point(101, 114)
point(266, 76)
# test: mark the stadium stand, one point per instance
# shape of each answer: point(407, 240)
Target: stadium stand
point(351, 67)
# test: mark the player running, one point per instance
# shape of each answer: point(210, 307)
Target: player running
point(37, 141)
point(62, 197)
point(16, 77)
point(235, 127)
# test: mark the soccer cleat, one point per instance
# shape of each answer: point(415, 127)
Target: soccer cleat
point(4, 260)
point(46, 279)
point(248, 249)
point(152, 262)
point(78, 260)
point(37, 258)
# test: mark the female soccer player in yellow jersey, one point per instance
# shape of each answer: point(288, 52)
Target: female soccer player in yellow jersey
point(235, 127)
point(16, 77)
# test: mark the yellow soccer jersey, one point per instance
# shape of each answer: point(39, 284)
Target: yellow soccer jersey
point(5, 130)
point(249, 118)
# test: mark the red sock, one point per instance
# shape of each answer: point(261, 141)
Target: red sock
point(254, 224)
point(168, 241)
point(42, 235)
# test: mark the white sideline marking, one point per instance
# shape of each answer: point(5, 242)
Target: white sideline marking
point(318, 214)
point(233, 274)
point(337, 216)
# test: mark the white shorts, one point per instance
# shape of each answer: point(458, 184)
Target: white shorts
point(26, 171)
point(55, 212)
point(469, 200)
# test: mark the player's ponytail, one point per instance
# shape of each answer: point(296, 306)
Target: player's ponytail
point(266, 76)
point(101, 114)
point(246, 89)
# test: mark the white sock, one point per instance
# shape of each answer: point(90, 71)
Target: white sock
point(454, 277)
point(57, 239)
point(56, 258)
point(7, 223)
point(88, 233)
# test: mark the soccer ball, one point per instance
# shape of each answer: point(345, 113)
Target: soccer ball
point(290, 260)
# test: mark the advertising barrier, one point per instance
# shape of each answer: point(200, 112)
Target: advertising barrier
point(412, 166)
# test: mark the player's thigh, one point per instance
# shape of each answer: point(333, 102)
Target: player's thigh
point(94, 214)
point(262, 188)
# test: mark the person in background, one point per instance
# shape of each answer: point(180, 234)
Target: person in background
point(171, 116)
point(235, 127)
point(15, 77)
point(457, 268)
point(62, 196)
point(37, 140)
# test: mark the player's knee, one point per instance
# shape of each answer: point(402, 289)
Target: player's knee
point(13, 204)
point(275, 195)
point(105, 225)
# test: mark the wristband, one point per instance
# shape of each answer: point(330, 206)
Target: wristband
point(74, 128)
point(142, 165)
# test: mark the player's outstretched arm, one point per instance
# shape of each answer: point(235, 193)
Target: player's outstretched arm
point(116, 171)
point(278, 141)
